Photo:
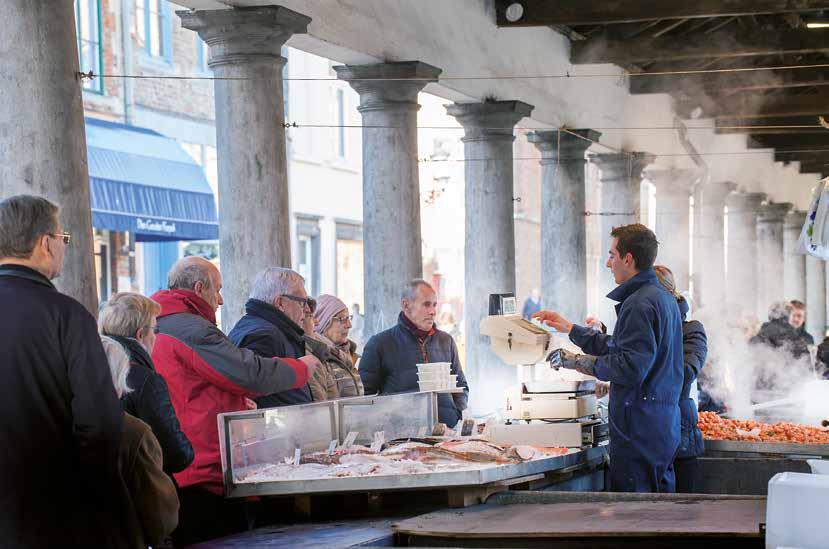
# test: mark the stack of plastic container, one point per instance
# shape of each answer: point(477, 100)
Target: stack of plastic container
point(436, 376)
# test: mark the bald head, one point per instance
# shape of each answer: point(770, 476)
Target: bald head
point(198, 275)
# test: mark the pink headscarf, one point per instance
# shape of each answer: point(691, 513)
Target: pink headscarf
point(327, 307)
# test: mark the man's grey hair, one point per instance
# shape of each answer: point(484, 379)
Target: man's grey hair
point(184, 274)
point(274, 282)
point(410, 290)
point(24, 219)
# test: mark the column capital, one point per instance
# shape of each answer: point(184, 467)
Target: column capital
point(672, 180)
point(384, 86)
point(718, 191)
point(774, 212)
point(745, 202)
point(244, 35)
point(794, 220)
point(490, 120)
point(622, 166)
point(571, 147)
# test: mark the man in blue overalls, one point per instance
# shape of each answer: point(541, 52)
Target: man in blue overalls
point(642, 360)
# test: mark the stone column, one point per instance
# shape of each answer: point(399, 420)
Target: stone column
point(770, 254)
point(794, 262)
point(43, 145)
point(815, 297)
point(563, 228)
point(621, 179)
point(709, 237)
point(391, 188)
point(673, 220)
point(489, 253)
point(742, 251)
point(254, 220)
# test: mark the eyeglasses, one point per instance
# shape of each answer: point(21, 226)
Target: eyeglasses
point(343, 319)
point(309, 302)
point(154, 329)
point(64, 235)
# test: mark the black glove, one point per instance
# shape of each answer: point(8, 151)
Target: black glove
point(561, 358)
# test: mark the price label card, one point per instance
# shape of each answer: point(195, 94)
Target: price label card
point(349, 439)
point(332, 446)
point(379, 439)
point(422, 432)
point(297, 456)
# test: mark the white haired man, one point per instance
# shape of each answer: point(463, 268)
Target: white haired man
point(272, 326)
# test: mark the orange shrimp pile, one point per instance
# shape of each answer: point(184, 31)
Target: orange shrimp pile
point(714, 427)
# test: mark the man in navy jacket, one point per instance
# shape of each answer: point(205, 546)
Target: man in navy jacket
point(389, 362)
point(643, 362)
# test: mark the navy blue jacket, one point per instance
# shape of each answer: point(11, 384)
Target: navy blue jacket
point(694, 351)
point(268, 332)
point(389, 366)
point(643, 362)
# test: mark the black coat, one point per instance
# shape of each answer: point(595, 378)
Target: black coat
point(268, 332)
point(694, 352)
point(389, 365)
point(150, 402)
point(62, 422)
point(779, 334)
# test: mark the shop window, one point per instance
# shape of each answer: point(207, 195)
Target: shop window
point(350, 263)
point(154, 28)
point(308, 253)
point(88, 35)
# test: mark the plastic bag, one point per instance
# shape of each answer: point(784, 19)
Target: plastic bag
point(814, 239)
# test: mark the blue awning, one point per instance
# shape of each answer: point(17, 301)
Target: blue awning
point(145, 183)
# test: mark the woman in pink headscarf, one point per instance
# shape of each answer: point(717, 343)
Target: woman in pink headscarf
point(338, 376)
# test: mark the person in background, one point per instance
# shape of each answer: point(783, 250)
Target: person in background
point(389, 362)
point(532, 304)
point(131, 320)
point(337, 377)
point(797, 319)
point(694, 353)
point(272, 326)
point(358, 323)
point(149, 495)
point(778, 333)
point(208, 375)
point(61, 417)
point(643, 362)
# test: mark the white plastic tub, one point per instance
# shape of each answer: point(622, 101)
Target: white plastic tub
point(796, 511)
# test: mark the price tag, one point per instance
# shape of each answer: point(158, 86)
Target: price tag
point(297, 455)
point(379, 439)
point(422, 432)
point(332, 446)
point(349, 439)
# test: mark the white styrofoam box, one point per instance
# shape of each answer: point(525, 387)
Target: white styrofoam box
point(796, 511)
point(819, 466)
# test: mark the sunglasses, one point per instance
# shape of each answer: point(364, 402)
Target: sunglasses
point(309, 302)
point(64, 235)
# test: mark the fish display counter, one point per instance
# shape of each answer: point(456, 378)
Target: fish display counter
point(371, 443)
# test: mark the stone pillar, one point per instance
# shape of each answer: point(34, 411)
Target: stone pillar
point(770, 254)
point(742, 251)
point(815, 297)
point(794, 263)
point(254, 220)
point(391, 188)
point(673, 221)
point(43, 145)
point(489, 253)
point(563, 228)
point(709, 237)
point(621, 179)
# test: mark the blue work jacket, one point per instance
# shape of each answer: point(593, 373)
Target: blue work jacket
point(694, 352)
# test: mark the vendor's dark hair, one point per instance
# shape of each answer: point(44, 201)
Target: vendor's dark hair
point(23, 220)
point(639, 241)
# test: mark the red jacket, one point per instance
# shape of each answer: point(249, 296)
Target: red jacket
point(208, 375)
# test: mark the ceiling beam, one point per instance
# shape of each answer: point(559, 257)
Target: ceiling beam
point(791, 142)
point(770, 126)
point(802, 157)
point(538, 13)
point(756, 106)
point(721, 44)
point(821, 168)
point(721, 83)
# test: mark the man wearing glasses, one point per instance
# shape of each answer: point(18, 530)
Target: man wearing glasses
point(61, 417)
point(273, 326)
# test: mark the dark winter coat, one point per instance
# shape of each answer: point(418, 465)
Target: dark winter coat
point(643, 362)
point(208, 375)
point(268, 332)
point(805, 336)
point(150, 402)
point(62, 422)
point(389, 365)
point(694, 352)
point(779, 334)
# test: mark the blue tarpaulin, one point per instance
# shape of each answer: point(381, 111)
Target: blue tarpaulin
point(146, 184)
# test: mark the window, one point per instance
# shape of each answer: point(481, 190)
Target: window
point(340, 123)
point(308, 252)
point(201, 55)
point(153, 28)
point(88, 33)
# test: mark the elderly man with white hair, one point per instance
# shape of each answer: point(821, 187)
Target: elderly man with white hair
point(272, 326)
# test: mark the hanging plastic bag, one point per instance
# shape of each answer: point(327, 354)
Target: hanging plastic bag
point(813, 238)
